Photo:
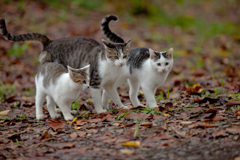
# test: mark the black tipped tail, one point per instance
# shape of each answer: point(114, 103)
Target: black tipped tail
point(3, 29)
point(106, 30)
point(23, 37)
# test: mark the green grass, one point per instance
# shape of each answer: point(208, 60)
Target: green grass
point(6, 90)
point(17, 50)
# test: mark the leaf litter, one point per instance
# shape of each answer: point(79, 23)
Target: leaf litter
point(198, 115)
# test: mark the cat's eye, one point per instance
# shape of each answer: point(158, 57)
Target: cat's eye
point(159, 64)
point(115, 57)
point(84, 82)
point(125, 56)
point(166, 63)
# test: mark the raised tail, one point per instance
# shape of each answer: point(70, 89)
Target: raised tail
point(23, 37)
point(106, 30)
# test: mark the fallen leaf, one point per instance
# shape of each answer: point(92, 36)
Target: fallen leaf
point(74, 119)
point(95, 120)
point(168, 105)
point(4, 113)
point(45, 135)
point(220, 133)
point(202, 125)
point(56, 124)
point(210, 100)
point(127, 151)
point(233, 130)
point(132, 143)
point(76, 127)
point(92, 131)
point(81, 133)
point(232, 103)
point(186, 122)
point(74, 135)
point(147, 124)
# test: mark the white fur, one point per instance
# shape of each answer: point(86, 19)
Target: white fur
point(111, 72)
point(62, 93)
point(149, 78)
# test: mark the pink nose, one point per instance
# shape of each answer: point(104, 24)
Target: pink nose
point(164, 70)
point(121, 64)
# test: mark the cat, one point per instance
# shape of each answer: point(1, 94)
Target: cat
point(106, 62)
point(58, 85)
point(147, 68)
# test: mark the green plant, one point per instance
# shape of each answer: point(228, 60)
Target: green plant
point(234, 96)
point(75, 105)
point(150, 111)
point(122, 116)
point(6, 90)
point(21, 117)
point(17, 50)
point(160, 96)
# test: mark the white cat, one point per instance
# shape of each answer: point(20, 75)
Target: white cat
point(58, 85)
point(147, 69)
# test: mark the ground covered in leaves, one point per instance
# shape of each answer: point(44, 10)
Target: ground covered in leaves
point(199, 106)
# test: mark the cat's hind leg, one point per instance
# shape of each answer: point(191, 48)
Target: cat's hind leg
point(52, 108)
point(133, 91)
point(39, 100)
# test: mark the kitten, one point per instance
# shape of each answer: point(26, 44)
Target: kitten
point(147, 69)
point(106, 62)
point(58, 85)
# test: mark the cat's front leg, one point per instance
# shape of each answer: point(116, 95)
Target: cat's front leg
point(96, 95)
point(65, 110)
point(149, 94)
point(112, 92)
point(105, 99)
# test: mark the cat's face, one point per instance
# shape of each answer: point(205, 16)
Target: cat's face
point(117, 53)
point(162, 62)
point(80, 76)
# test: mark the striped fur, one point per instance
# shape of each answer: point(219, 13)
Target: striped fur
point(106, 30)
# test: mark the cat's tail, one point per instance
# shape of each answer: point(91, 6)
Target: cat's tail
point(106, 30)
point(23, 37)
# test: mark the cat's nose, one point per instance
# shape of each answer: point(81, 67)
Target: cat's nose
point(164, 70)
point(120, 64)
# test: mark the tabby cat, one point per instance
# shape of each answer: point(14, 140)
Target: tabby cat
point(58, 85)
point(147, 68)
point(106, 62)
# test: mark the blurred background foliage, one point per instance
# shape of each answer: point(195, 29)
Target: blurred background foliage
point(201, 32)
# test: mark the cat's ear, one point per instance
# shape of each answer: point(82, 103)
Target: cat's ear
point(107, 44)
point(152, 53)
point(71, 71)
point(128, 43)
point(85, 69)
point(169, 53)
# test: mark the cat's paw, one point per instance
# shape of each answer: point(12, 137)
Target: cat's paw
point(40, 117)
point(101, 110)
point(153, 106)
point(74, 112)
point(58, 110)
point(68, 118)
point(56, 116)
point(124, 107)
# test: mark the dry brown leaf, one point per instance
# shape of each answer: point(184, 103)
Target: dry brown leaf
point(81, 133)
point(4, 113)
point(127, 151)
point(74, 135)
point(232, 103)
point(92, 131)
point(233, 130)
point(56, 124)
point(94, 120)
point(202, 125)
